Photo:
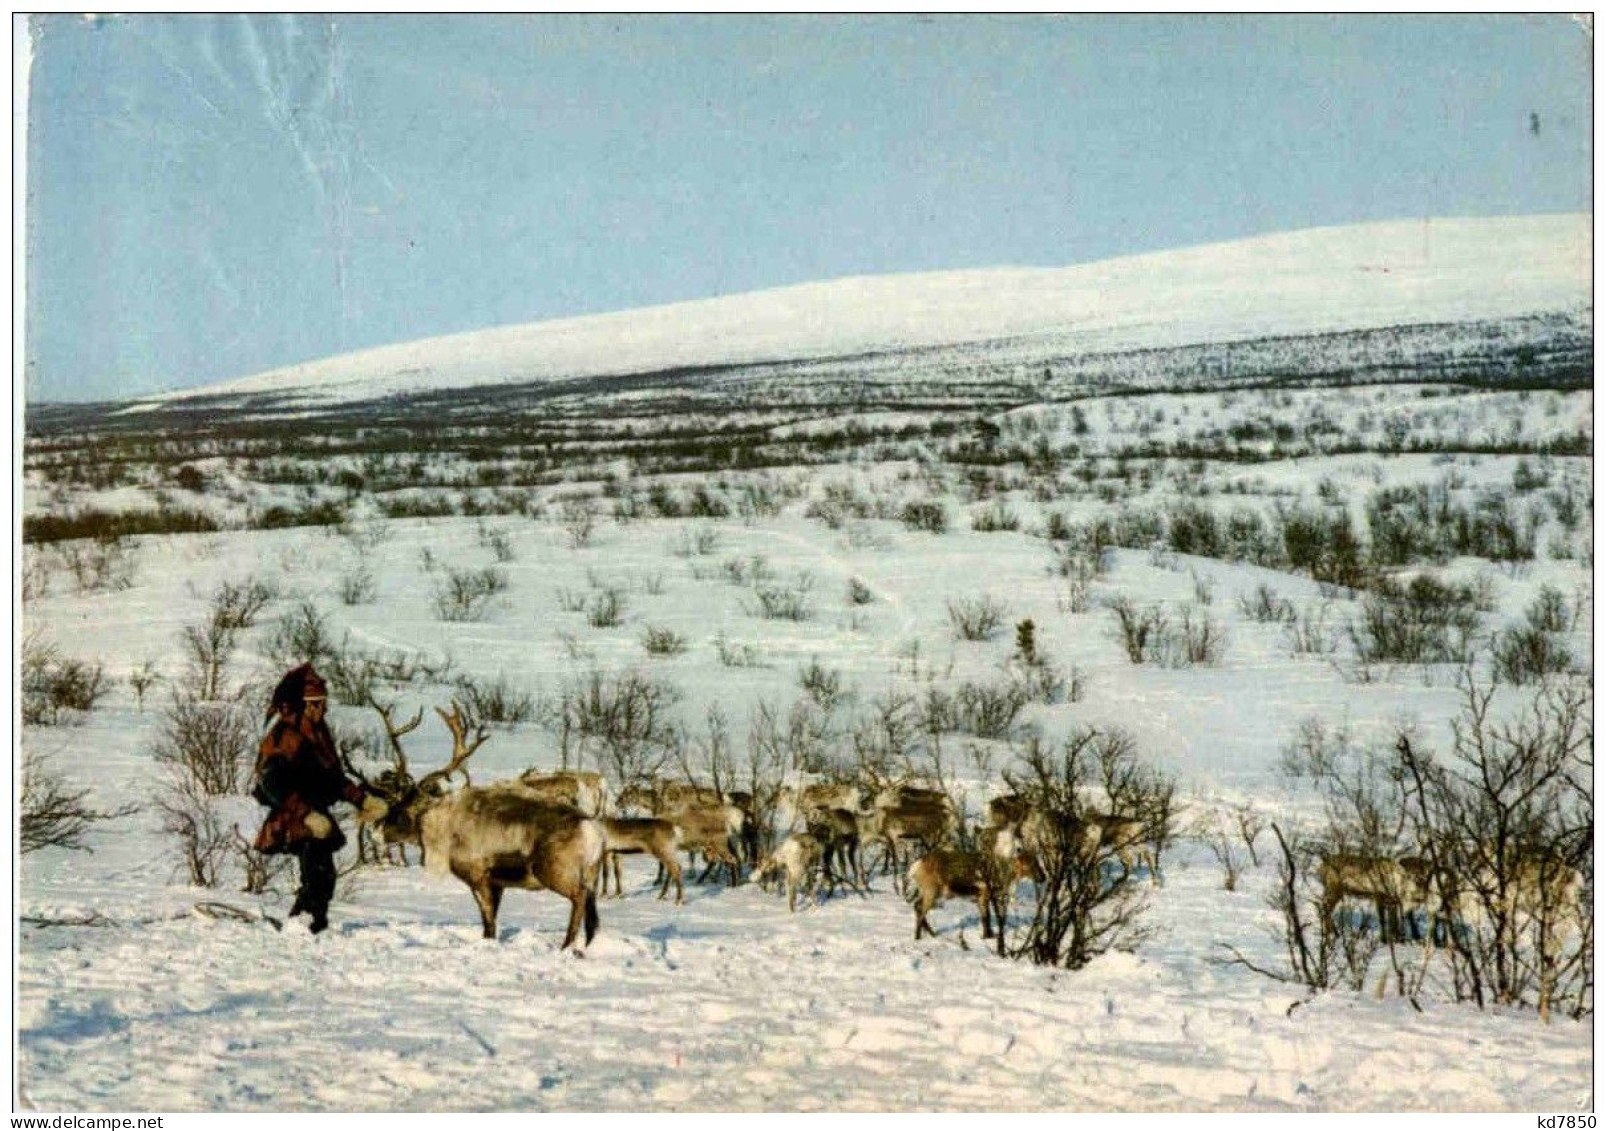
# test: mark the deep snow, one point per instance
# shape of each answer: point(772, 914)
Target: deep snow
point(728, 1002)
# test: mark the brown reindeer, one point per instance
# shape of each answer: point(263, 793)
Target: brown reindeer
point(1127, 836)
point(710, 822)
point(1390, 885)
point(651, 835)
point(1007, 809)
point(929, 824)
point(585, 791)
point(953, 872)
point(710, 828)
point(838, 832)
point(798, 858)
point(496, 837)
point(796, 801)
point(902, 795)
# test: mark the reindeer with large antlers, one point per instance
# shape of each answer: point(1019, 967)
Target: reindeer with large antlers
point(493, 837)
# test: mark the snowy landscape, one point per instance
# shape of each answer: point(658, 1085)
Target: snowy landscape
point(1268, 525)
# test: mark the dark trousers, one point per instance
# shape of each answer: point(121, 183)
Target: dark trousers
point(317, 888)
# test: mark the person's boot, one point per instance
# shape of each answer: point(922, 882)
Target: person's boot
point(296, 908)
point(320, 923)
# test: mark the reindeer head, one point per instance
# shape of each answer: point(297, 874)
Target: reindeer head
point(405, 798)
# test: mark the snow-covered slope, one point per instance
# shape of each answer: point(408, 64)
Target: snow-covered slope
point(1318, 281)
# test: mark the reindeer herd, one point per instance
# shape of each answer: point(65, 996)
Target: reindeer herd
point(563, 832)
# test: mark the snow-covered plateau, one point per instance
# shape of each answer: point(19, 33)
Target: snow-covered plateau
point(1428, 272)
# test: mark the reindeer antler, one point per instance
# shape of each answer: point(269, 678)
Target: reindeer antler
point(458, 723)
point(343, 751)
point(393, 732)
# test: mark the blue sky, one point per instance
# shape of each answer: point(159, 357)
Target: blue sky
point(212, 197)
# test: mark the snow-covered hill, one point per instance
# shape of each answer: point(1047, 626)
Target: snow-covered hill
point(1322, 281)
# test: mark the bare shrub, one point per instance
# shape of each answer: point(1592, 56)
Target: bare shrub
point(260, 871)
point(56, 688)
point(496, 700)
point(192, 817)
point(1034, 674)
point(1043, 681)
point(1251, 823)
point(100, 564)
point(1426, 621)
point(1526, 654)
point(785, 602)
point(353, 676)
point(1230, 833)
point(929, 516)
point(142, 679)
point(988, 711)
point(1085, 558)
point(1506, 817)
point(465, 594)
point(1548, 612)
point(995, 517)
point(839, 503)
point(1265, 606)
point(1321, 951)
point(976, 618)
point(1310, 634)
point(35, 579)
point(1197, 639)
point(606, 608)
point(859, 593)
point(1077, 596)
point(209, 744)
point(660, 641)
point(822, 684)
point(302, 636)
point(800, 741)
point(738, 655)
point(1087, 900)
point(579, 520)
point(1214, 830)
point(623, 722)
point(698, 542)
point(357, 586)
point(754, 570)
point(499, 542)
point(211, 645)
point(50, 813)
point(1139, 631)
point(1317, 750)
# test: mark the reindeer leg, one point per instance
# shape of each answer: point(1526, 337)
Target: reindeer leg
point(670, 867)
point(577, 911)
point(489, 898)
point(591, 921)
